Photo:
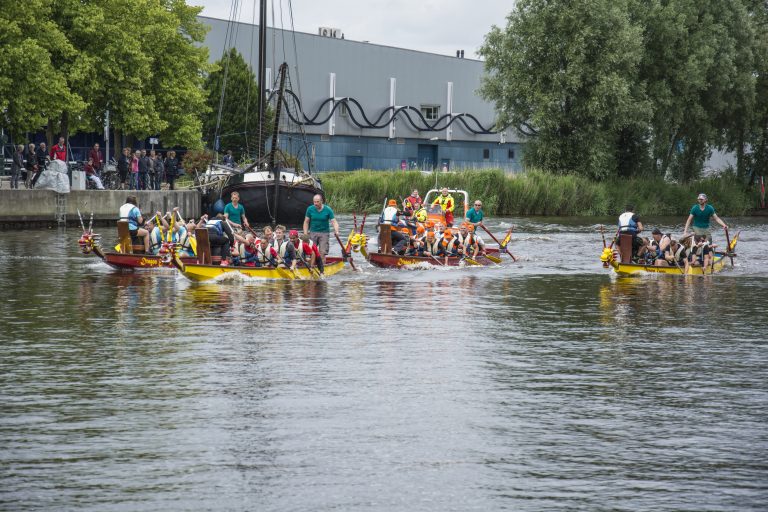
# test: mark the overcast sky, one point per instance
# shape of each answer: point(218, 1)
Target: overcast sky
point(439, 26)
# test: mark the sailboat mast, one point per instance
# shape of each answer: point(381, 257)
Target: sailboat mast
point(275, 132)
point(262, 73)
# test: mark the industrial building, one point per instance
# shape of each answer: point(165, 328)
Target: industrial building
point(349, 91)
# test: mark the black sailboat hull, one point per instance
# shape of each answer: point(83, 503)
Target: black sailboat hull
point(258, 198)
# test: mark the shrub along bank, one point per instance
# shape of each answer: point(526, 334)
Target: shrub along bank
point(538, 193)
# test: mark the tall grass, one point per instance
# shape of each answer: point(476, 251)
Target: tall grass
point(538, 193)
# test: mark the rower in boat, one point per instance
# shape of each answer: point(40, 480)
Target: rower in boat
point(266, 255)
point(130, 212)
point(431, 244)
point(306, 251)
point(449, 246)
point(473, 244)
point(675, 255)
point(701, 252)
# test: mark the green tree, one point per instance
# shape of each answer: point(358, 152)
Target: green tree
point(566, 74)
point(140, 59)
point(236, 114)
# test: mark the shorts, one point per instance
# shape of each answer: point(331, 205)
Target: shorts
point(703, 232)
point(321, 241)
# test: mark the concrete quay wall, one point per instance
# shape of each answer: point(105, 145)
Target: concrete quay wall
point(40, 208)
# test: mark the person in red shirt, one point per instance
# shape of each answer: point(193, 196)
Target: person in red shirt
point(411, 200)
point(97, 158)
point(305, 249)
point(59, 151)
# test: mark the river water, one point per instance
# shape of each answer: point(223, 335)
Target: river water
point(543, 385)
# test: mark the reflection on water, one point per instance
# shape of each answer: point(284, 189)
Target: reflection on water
point(550, 385)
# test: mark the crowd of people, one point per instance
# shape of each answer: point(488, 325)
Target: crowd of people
point(661, 249)
point(232, 240)
point(137, 169)
point(414, 234)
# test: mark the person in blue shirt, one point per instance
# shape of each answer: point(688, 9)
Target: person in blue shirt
point(317, 224)
point(130, 212)
point(700, 214)
point(475, 214)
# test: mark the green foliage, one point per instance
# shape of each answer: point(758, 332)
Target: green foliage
point(238, 127)
point(68, 61)
point(620, 88)
point(538, 192)
point(197, 161)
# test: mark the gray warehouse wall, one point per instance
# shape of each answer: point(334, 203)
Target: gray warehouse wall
point(363, 71)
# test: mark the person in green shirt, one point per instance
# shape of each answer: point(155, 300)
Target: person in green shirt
point(700, 215)
point(317, 222)
point(475, 214)
point(234, 212)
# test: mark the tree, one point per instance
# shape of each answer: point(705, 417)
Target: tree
point(566, 74)
point(234, 118)
point(139, 59)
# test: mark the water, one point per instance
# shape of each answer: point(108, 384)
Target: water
point(543, 385)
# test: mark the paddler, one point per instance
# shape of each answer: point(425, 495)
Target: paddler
point(284, 248)
point(390, 214)
point(266, 255)
point(431, 244)
point(448, 245)
point(447, 204)
point(473, 244)
point(130, 212)
point(701, 252)
point(700, 214)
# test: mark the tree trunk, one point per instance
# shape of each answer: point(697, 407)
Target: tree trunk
point(117, 142)
point(741, 164)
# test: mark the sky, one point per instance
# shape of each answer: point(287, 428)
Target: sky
point(437, 26)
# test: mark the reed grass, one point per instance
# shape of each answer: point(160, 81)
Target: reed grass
point(538, 192)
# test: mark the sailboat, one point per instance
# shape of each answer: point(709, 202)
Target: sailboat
point(269, 192)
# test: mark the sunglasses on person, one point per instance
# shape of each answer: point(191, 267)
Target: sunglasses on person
point(478, 204)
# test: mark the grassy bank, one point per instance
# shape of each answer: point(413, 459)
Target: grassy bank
point(538, 193)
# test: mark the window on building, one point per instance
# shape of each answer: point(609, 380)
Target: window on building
point(511, 154)
point(343, 111)
point(486, 154)
point(430, 112)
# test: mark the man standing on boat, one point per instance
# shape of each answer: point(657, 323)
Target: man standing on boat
point(700, 215)
point(447, 204)
point(475, 214)
point(234, 212)
point(317, 222)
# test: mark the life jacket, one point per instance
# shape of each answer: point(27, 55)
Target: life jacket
point(432, 247)
point(266, 256)
point(130, 213)
point(185, 239)
point(447, 247)
point(389, 215)
point(678, 254)
point(446, 202)
point(627, 223)
point(215, 224)
point(155, 240)
point(300, 248)
point(420, 215)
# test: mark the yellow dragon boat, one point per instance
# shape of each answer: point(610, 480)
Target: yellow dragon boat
point(609, 258)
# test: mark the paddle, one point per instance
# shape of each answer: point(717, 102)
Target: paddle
point(492, 258)
point(497, 241)
point(728, 248)
point(312, 270)
point(602, 233)
point(344, 256)
point(469, 260)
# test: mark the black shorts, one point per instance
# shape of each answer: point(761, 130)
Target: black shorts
point(134, 233)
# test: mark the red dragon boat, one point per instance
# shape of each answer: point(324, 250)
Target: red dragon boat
point(127, 255)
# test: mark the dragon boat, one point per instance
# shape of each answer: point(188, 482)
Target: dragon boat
point(385, 258)
point(205, 267)
point(611, 260)
point(127, 255)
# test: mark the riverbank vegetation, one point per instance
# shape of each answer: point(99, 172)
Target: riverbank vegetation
point(607, 88)
point(539, 193)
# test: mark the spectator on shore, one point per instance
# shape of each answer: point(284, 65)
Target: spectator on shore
point(59, 151)
point(31, 165)
point(171, 168)
point(90, 173)
point(17, 164)
point(159, 168)
point(135, 170)
point(144, 167)
point(97, 158)
point(42, 162)
point(124, 166)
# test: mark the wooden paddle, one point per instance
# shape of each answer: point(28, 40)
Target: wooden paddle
point(492, 258)
point(497, 241)
point(728, 247)
point(312, 270)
